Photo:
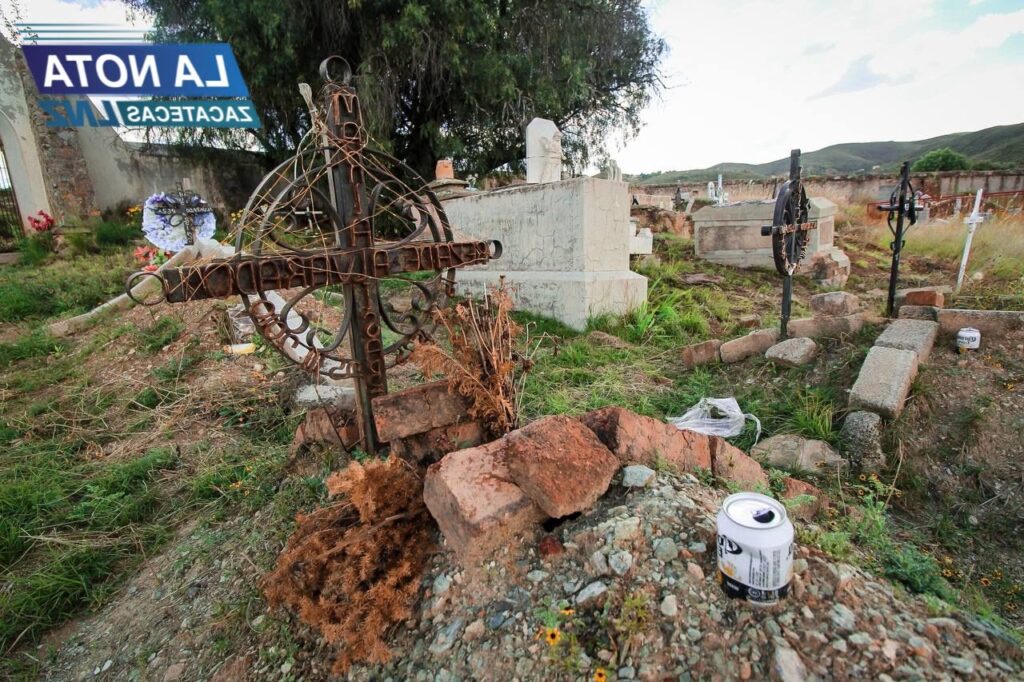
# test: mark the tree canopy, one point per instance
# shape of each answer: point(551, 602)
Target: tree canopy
point(437, 78)
point(944, 159)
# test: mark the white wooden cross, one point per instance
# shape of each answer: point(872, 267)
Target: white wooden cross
point(972, 221)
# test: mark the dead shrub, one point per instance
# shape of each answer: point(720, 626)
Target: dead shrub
point(485, 364)
point(352, 570)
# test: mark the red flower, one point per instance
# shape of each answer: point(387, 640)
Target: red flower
point(43, 223)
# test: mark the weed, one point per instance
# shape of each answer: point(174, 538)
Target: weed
point(34, 344)
point(107, 233)
point(161, 333)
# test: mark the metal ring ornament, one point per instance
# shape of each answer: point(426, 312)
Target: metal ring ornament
point(134, 280)
point(789, 243)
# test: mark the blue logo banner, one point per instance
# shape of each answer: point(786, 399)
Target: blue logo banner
point(185, 70)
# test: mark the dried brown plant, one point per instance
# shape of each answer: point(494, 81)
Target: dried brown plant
point(485, 363)
point(352, 570)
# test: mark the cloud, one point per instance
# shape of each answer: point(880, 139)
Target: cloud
point(859, 76)
point(818, 48)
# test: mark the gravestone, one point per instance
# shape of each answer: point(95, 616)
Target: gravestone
point(731, 235)
point(566, 247)
point(543, 151)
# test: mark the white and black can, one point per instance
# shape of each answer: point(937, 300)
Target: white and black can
point(755, 548)
point(967, 339)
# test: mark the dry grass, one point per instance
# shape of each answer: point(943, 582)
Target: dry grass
point(352, 570)
point(997, 248)
point(485, 363)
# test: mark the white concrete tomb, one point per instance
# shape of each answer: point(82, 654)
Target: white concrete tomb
point(565, 247)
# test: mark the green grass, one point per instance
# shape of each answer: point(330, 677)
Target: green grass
point(34, 344)
point(161, 333)
point(60, 287)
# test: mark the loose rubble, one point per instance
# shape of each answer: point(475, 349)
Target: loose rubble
point(838, 622)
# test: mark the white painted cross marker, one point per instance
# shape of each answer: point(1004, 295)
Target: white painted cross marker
point(972, 222)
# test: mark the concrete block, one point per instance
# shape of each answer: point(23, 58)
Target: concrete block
point(834, 304)
point(918, 312)
point(884, 381)
point(828, 327)
point(754, 343)
point(792, 352)
point(915, 335)
point(861, 438)
point(311, 396)
point(988, 322)
point(701, 353)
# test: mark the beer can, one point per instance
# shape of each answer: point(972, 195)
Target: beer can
point(755, 548)
point(967, 339)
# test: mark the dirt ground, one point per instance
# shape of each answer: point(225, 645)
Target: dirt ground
point(194, 610)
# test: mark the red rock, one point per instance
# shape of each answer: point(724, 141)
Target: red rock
point(550, 546)
point(807, 511)
point(701, 353)
point(560, 464)
point(754, 343)
point(745, 670)
point(472, 497)
point(732, 464)
point(927, 297)
point(636, 439)
point(418, 410)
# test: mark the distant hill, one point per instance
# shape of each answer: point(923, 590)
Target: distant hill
point(991, 148)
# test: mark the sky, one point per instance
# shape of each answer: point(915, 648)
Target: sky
point(749, 80)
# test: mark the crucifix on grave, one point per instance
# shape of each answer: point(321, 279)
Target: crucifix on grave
point(788, 231)
point(339, 215)
point(902, 207)
point(972, 221)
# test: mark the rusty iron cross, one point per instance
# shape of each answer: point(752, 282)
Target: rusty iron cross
point(314, 222)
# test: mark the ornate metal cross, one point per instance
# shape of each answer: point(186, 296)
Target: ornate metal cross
point(337, 214)
point(788, 231)
point(901, 207)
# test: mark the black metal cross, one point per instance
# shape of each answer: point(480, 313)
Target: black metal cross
point(317, 217)
point(788, 231)
point(902, 206)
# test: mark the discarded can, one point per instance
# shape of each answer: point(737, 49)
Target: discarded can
point(755, 548)
point(967, 339)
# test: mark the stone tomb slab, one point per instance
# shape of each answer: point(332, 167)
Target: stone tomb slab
point(884, 381)
point(565, 247)
point(916, 335)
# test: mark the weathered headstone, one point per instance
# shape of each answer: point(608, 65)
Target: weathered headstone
point(543, 151)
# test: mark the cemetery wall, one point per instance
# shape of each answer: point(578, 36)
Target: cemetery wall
point(859, 188)
point(17, 138)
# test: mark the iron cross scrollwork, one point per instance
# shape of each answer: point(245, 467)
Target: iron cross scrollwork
point(789, 233)
point(320, 235)
point(902, 207)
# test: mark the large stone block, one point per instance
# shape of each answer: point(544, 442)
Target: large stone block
point(792, 352)
point(560, 464)
point(634, 438)
point(988, 322)
point(702, 353)
point(915, 335)
point(829, 327)
point(834, 304)
point(565, 247)
point(472, 497)
point(918, 312)
point(884, 381)
point(418, 410)
point(754, 343)
point(795, 453)
point(861, 438)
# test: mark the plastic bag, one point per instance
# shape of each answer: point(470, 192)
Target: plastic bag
point(716, 417)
